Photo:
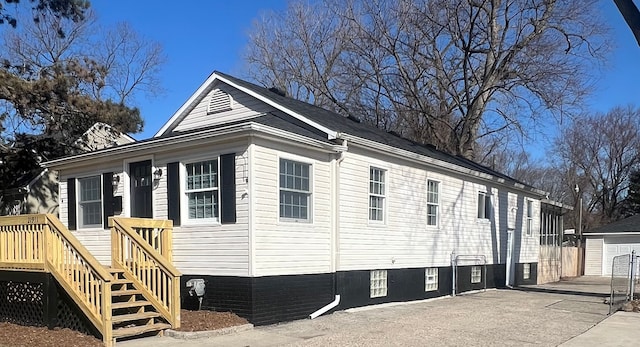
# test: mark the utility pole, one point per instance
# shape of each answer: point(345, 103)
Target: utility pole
point(579, 229)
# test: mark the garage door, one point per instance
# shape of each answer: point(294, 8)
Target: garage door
point(618, 246)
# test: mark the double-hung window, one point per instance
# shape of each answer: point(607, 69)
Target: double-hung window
point(295, 190)
point(484, 205)
point(433, 198)
point(90, 202)
point(202, 190)
point(529, 217)
point(376, 193)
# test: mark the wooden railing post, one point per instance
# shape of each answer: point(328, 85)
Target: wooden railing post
point(175, 302)
point(107, 334)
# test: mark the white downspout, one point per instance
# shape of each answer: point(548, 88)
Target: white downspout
point(335, 232)
point(321, 311)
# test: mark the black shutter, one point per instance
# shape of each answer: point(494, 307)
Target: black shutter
point(228, 188)
point(173, 192)
point(71, 203)
point(107, 196)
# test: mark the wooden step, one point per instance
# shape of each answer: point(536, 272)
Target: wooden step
point(114, 270)
point(121, 281)
point(134, 316)
point(128, 304)
point(125, 292)
point(137, 330)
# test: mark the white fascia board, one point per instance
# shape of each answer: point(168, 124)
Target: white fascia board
point(331, 134)
point(186, 105)
point(422, 159)
point(627, 233)
point(186, 140)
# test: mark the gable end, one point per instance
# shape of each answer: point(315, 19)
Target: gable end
point(219, 101)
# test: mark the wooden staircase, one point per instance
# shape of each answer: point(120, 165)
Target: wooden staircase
point(131, 314)
point(138, 294)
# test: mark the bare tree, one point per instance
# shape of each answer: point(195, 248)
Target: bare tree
point(443, 72)
point(598, 152)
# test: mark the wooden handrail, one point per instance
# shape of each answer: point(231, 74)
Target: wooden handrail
point(164, 263)
point(149, 271)
point(148, 228)
point(75, 243)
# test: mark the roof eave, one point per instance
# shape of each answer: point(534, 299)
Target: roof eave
point(423, 159)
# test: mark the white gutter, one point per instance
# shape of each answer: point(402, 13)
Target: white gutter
point(622, 233)
point(321, 311)
point(422, 159)
point(186, 140)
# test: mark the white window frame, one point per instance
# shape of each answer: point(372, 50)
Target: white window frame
point(526, 271)
point(484, 201)
point(377, 283)
point(379, 195)
point(529, 219)
point(308, 193)
point(476, 274)
point(80, 203)
point(430, 279)
point(436, 204)
point(185, 191)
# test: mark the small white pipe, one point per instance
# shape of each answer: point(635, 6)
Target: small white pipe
point(321, 311)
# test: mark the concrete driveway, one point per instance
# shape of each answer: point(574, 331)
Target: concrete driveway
point(491, 318)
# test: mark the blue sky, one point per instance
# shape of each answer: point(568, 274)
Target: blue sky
point(202, 36)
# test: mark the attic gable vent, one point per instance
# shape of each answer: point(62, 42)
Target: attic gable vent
point(219, 101)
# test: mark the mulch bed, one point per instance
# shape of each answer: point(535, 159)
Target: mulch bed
point(13, 335)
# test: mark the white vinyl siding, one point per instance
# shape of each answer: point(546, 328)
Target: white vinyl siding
point(90, 202)
point(376, 193)
point(295, 191)
point(433, 201)
point(378, 283)
point(401, 242)
point(284, 246)
point(201, 190)
point(430, 279)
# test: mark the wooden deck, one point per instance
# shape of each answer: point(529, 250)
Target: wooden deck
point(141, 288)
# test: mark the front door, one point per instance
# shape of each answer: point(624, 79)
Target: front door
point(141, 183)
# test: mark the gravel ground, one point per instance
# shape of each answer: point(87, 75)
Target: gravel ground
point(492, 318)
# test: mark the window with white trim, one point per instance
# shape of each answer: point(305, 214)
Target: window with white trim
point(433, 201)
point(202, 191)
point(529, 217)
point(484, 205)
point(376, 193)
point(295, 190)
point(90, 202)
point(476, 274)
point(378, 283)
point(430, 279)
point(526, 271)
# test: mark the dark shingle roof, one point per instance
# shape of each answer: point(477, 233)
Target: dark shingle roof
point(353, 127)
point(629, 224)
